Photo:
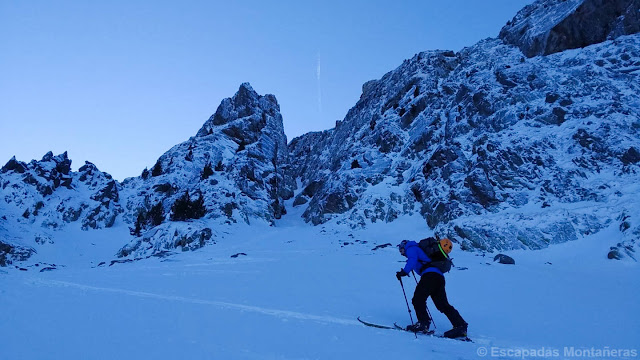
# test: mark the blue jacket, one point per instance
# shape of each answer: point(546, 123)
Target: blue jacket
point(416, 258)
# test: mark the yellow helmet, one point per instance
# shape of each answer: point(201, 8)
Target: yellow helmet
point(446, 245)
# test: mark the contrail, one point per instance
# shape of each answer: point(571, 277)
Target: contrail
point(319, 88)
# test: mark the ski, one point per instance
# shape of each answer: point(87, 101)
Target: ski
point(400, 328)
point(466, 339)
point(376, 325)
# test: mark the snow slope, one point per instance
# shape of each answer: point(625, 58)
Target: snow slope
point(296, 295)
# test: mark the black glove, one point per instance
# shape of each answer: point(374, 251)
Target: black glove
point(400, 274)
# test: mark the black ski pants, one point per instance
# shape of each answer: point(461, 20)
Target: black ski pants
point(432, 284)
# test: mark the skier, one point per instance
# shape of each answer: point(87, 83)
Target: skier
point(432, 284)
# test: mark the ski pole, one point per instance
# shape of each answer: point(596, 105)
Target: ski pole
point(426, 305)
point(407, 301)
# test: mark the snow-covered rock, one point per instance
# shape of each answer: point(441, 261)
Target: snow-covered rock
point(237, 164)
point(550, 26)
point(40, 198)
point(492, 148)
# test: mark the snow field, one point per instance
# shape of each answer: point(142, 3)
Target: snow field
point(297, 293)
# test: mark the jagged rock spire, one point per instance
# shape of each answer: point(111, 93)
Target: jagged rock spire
point(245, 103)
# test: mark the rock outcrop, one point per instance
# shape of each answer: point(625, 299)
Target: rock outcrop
point(550, 26)
point(44, 196)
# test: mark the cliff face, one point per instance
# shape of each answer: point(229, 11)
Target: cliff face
point(489, 146)
point(551, 26)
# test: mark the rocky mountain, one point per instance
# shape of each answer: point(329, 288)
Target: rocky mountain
point(40, 197)
point(520, 141)
point(237, 167)
point(491, 146)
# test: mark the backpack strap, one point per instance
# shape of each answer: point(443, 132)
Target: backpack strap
point(446, 256)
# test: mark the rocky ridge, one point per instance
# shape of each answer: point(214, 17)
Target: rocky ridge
point(40, 197)
point(487, 142)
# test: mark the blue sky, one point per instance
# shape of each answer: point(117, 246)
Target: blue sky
point(118, 83)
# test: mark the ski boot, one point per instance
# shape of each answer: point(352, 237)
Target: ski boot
point(419, 327)
point(459, 331)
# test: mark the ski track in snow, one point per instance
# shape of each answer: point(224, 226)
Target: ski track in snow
point(219, 304)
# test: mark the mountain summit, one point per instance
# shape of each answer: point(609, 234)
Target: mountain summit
point(234, 169)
